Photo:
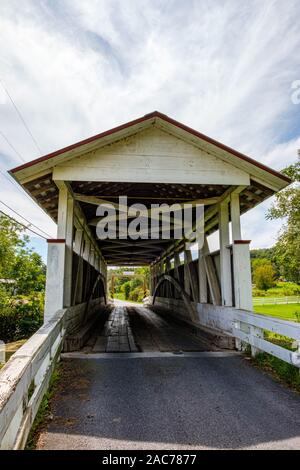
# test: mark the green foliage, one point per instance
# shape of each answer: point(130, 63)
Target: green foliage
point(297, 315)
point(265, 254)
point(287, 206)
point(20, 316)
point(21, 303)
point(138, 294)
point(263, 274)
point(29, 271)
point(43, 411)
point(280, 369)
point(126, 289)
point(258, 292)
point(10, 242)
point(130, 287)
point(282, 289)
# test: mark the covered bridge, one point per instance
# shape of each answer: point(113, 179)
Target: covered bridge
point(151, 160)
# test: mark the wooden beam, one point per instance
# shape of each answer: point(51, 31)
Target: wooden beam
point(192, 275)
point(235, 217)
point(225, 258)
point(187, 280)
point(212, 278)
point(95, 200)
point(202, 277)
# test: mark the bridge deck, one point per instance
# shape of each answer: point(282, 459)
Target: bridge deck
point(131, 401)
point(133, 328)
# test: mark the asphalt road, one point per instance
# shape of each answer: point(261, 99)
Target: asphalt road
point(203, 402)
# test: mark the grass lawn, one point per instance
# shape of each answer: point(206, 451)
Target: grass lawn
point(286, 312)
point(121, 296)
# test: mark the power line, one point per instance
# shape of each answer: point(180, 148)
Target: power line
point(12, 146)
point(22, 225)
point(23, 193)
point(26, 220)
point(21, 117)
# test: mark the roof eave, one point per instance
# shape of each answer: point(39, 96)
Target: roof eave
point(279, 178)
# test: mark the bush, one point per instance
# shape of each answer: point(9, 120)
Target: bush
point(263, 275)
point(138, 294)
point(297, 315)
point(282, 289)
point(20, 316)
point(258, 293)
point(126, 289)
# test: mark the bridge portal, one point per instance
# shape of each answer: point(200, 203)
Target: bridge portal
point(153, 160)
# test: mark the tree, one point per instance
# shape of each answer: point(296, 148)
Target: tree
point(287, 206)
point(17, 261)
point(29, 272)
point(263, 274)
point(10, 241)
point(20, 314)
point(126, 289)
point(265, 254)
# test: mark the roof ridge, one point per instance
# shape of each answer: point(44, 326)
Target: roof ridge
point(164, 117)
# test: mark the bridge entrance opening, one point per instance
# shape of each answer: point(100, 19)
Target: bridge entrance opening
point(132, 328)
point(143, 165)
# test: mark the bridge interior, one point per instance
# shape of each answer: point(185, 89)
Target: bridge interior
point(125, 328)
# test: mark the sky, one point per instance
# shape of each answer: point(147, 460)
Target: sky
point(76, 68)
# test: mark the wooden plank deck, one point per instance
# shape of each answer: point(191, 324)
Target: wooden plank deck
point(138, 329)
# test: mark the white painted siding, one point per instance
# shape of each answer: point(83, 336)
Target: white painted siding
point(151, 156)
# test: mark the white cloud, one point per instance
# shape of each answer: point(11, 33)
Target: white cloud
point(76, 68)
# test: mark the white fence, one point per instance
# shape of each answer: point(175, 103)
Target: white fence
point(25, 379)
point(249, 328)
point(276, 300)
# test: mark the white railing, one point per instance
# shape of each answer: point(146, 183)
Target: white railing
point(249, 328)
point(292, 299)
point(25, 379)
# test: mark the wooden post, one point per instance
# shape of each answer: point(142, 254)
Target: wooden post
point(151, 279)
point(212, 278)
point(258, 332)
point(187, 286)
point(167, 271)
point(86, 257)
point(79, 276)
point(112, 285)
point(192, 275)
point(202, 277)
point(176, 265)
point(54, 297)
point(241, 259)
point(92, 257)
point(161, 271)
point(225, 261)
point(176, 270)
point(65, 230)
point(242, 274)
point(235, 217)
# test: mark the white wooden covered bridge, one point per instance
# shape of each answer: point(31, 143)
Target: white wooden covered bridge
point(153, 159)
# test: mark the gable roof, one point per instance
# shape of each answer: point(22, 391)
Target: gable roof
point(139, 124)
